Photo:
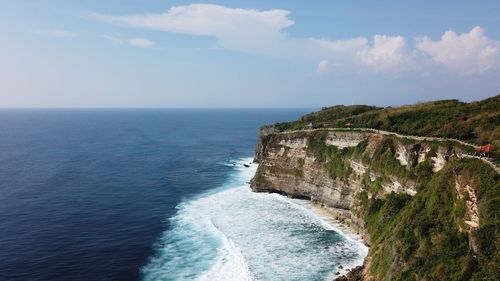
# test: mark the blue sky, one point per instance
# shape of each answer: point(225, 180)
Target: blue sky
point(158, 53)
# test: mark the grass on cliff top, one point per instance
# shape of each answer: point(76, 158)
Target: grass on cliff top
point(477, 122)
point(418, 238)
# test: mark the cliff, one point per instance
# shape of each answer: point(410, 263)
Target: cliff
point(426, 208)
point(475, 122)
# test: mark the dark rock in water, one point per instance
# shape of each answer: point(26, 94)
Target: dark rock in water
point(337, 273)
point(341, 267)
point(246, 165)
point(356, 274)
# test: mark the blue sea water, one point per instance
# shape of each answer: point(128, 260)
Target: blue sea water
point(151, 195)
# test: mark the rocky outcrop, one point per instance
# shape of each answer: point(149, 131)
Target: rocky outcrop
point(288, 166)
point(467, 191)
point(411, 155)
point(342, 139)
point(356, 274)
point(334, 168)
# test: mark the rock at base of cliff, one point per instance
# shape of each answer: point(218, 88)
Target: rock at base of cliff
point(356, 274)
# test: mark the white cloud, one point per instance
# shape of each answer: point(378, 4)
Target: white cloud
point(388, 53)
point(141, 42)
point(241, 29)
point(136, 42)
point(466, 54)
point(263, 31)
point(59, 33)
point(323, 67)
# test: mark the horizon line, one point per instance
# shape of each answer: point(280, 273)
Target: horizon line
point(180, 108)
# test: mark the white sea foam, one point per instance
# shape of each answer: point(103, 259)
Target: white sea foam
point(235, 234)
point(229, 265)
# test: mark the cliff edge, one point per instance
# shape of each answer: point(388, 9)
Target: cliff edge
point(428, 210)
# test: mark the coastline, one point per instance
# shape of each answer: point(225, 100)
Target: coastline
point(337, 217)
point(331, 217)
point(221, 220)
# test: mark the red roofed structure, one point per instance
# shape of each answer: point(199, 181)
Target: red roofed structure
point(485, 150)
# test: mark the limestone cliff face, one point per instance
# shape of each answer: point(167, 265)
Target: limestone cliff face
point(289, 169)
point(394, 191)
point(287, 166)
point(340, 166)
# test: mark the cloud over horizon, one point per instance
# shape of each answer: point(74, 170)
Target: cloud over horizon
point(467, 54)
point(247, 30)
point(264, 32)
point(141, 42)
point(387, 53)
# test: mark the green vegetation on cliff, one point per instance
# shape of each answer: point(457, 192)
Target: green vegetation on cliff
point(477, 122)
point(419, 238)
point(334, 158)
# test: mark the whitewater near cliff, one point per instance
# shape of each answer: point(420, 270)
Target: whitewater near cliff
point(232, 233)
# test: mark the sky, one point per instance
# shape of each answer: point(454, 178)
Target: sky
point(246, 54)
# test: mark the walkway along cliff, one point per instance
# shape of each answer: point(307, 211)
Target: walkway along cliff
point(427, 212)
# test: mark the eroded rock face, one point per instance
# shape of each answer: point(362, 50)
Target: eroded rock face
point(289, 170)
point(287, 153)
point(467, 190)
point(366, 165)
point(287, 166)
point(395, 185)
point(345, 139)
point(440, 159)
point(413, 154)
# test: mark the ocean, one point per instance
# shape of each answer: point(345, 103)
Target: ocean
point(152, 194)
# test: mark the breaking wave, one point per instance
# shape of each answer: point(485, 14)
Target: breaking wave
point(232, 233)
